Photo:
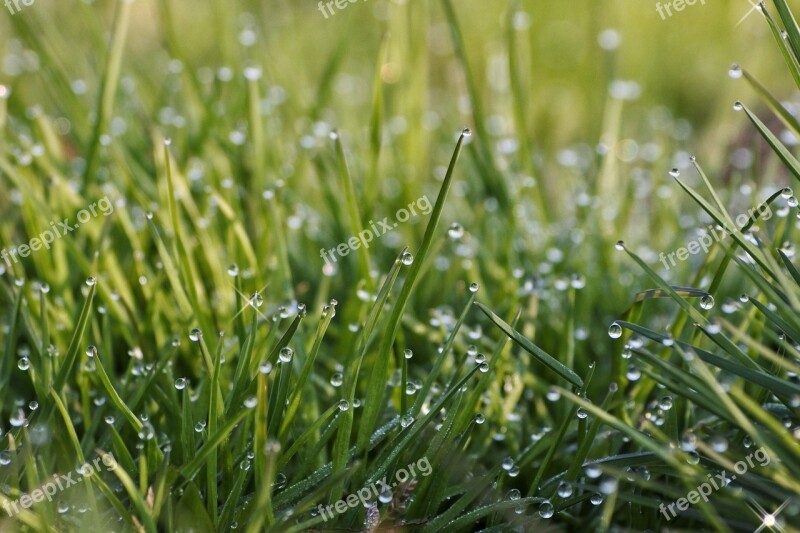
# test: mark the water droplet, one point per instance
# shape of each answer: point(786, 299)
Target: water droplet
point(735, 72)
point(180, 383)
point(688, 441)
point(738, 106)
point(514, 494)
point(483, 367)
point(508, 463)
point(265, 368)
point(665, 403)
point(692, 458)
point(200, 426)
point(147, 432)
point(337, 379)
point(90, 281)
point(24, 364)
point(615, 330)
point(286, 354)
point(633, 373)
point(553, 394)
point(344, 405)
point(406, 420)
point(256, 300)
point(410, 389)
point(5, 458)
point(707, 302)
point(250, 402)
point(714, 327)
point(110, 419)
point(787, 193)
point(233, 270)
point(620, 245)
point(581, 413)
point(44, 288)
point(195, 335)
point(466, 132)
point(91, 350)
point(456, 231)
point(408, 354)
point(592, 470)
point(244, 465)
point(564, 489)
point(675, 173)
point(719, 444)
point(385, 496)
point(474, 287)
point(546, 509)
point(596, 498)
point(479, 418)
point(792, 201)
point(407, 258)
point(744, 298)
point(480, 358)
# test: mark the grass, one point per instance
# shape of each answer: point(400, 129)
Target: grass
point(552, 375)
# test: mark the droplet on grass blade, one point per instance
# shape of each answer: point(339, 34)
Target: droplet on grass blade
point(615, 330)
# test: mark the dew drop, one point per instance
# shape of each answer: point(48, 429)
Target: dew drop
point(546, 509)
point(620, 245)
point(738, 106)
point(180, 383)
point(479, 418)
point(24, 364)
point(675, 173)
point(265, 368)
point(233, 270)
point(337, 379)
point(466, 132)
point(195, 335)
point(110, 419)
point(408, 354)
point(581, 413)
point(615, 330)
point(200, 426)
point(456, 231)
point(564, 489)
point(596, 498)
point(665, 403)
point(483, 367)
point(633, 373)
point(90, 281)
point(707, 302)
point(514, 494)
point(508, 464)
point(407, 258)
point(344, 405)
point(406, 420)
point(286, 354)
point(787, 193)
point(474, 287)
point(735, 72)
point(250, 402)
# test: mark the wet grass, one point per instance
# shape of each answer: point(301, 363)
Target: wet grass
point(549, 373)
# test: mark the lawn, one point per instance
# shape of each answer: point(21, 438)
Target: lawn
point(399, 265)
